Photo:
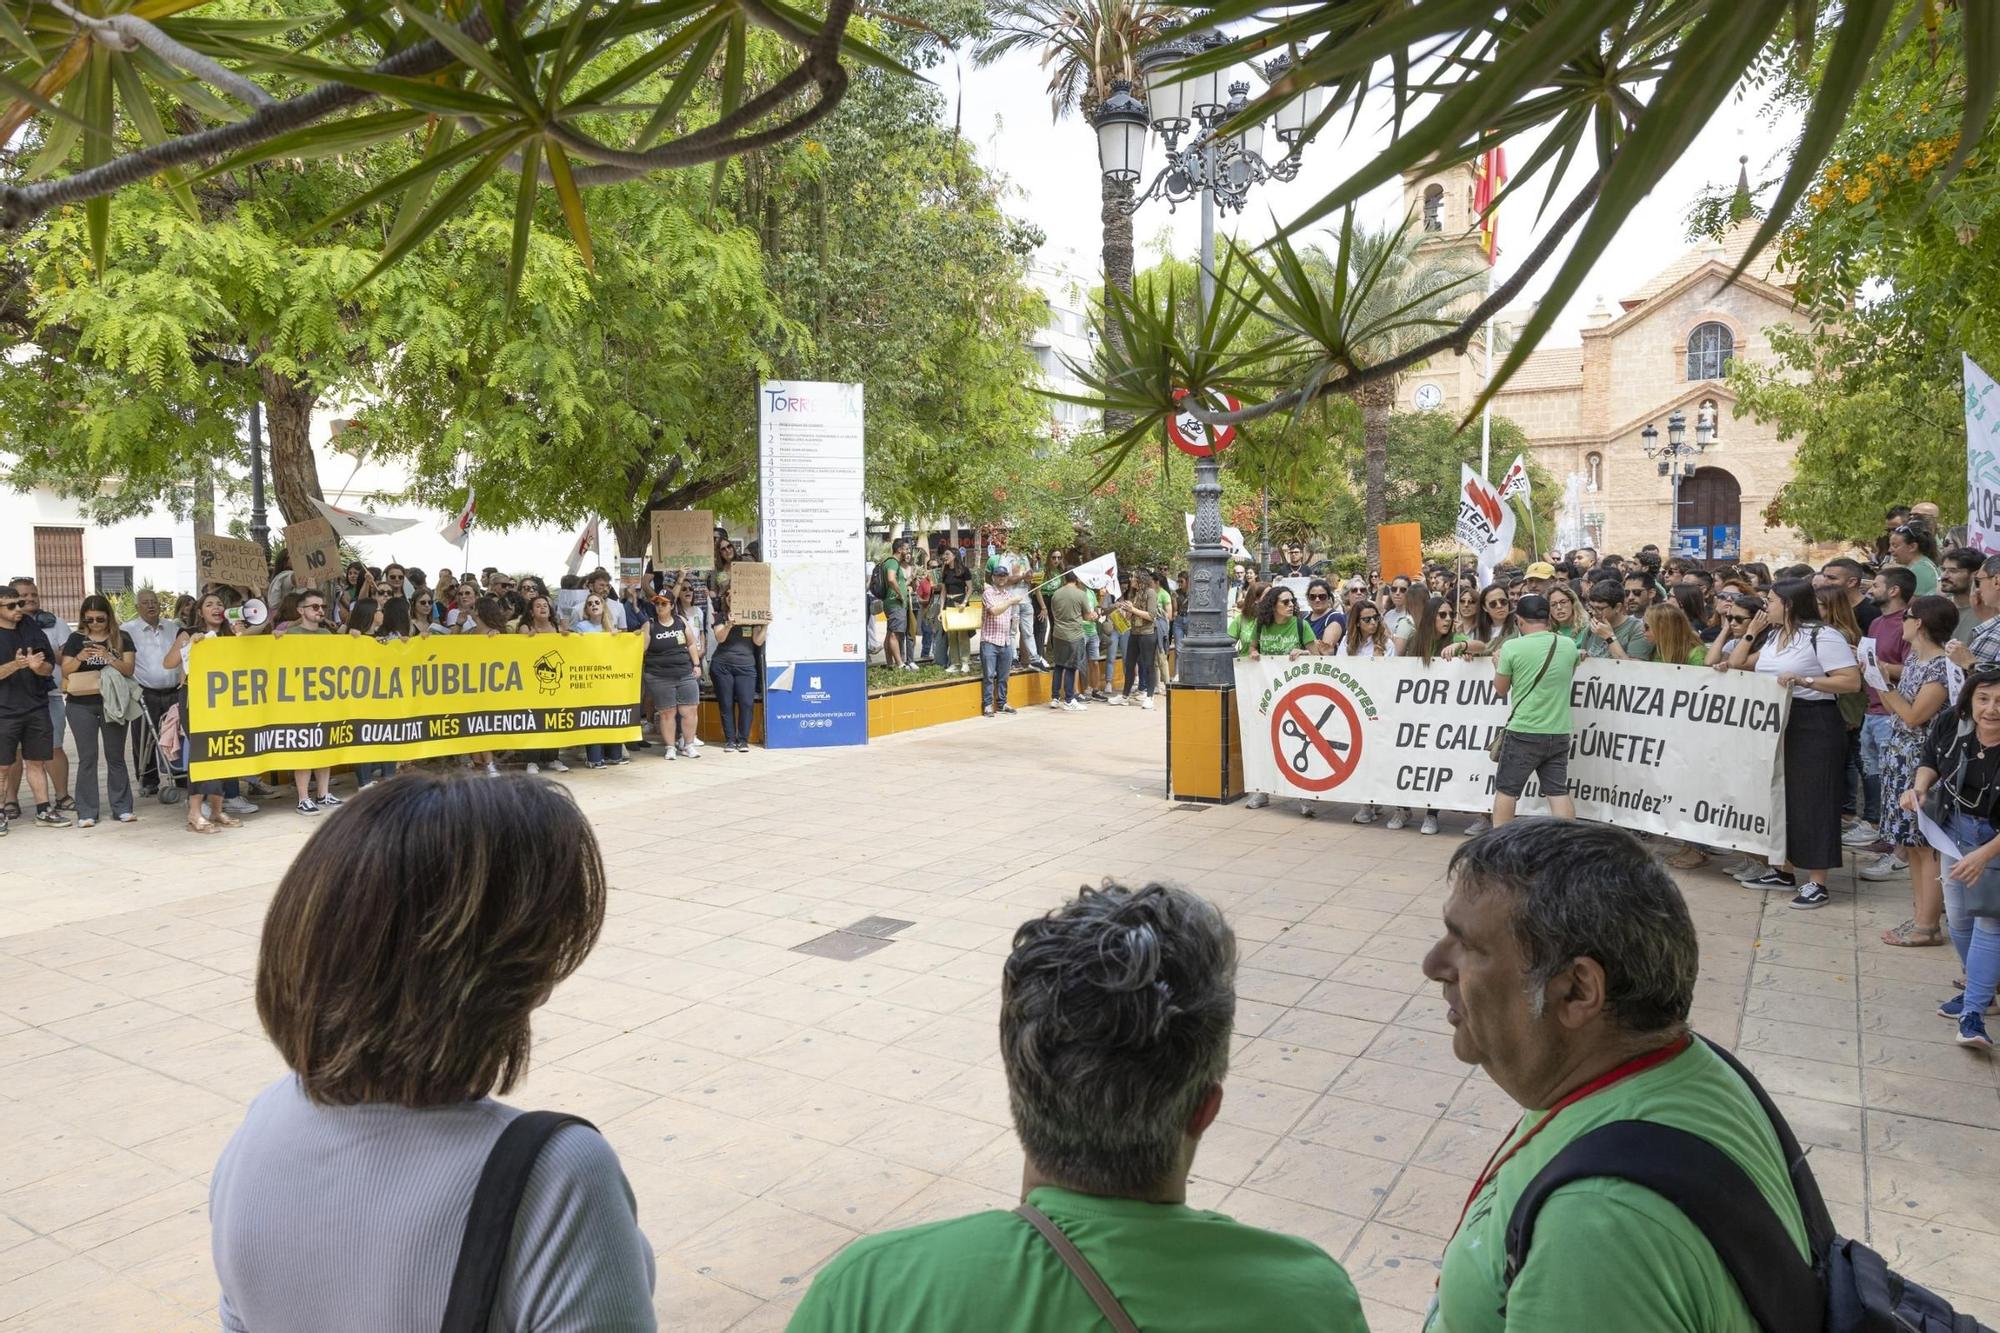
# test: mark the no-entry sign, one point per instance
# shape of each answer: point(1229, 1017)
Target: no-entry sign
point(1190, 434)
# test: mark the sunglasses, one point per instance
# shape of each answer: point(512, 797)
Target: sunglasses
point(1286, 601)
point(312, 606)
point(1369, 620)
point(95, 619)
point(11, 606)
point(1497, 604)
point(1316, 597)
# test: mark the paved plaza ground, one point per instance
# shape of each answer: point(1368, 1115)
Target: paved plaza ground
point(769, 1105)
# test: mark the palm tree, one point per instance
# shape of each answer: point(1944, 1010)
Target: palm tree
point(1402, 294)
point(1085, 46)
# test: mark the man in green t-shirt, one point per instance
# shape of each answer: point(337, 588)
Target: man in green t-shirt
point(1115, 1019)
point(1532, 672)
point(895, 588)
point(1072, 615)
point(1568, 966)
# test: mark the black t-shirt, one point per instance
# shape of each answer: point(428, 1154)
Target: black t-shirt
point(956, 579)
point(667, 651)
point(23, 692)
point(738, 647)
point(77, 643)
point(1978, 792)
point(1865, 613)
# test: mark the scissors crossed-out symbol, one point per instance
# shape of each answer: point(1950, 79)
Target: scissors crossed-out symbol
point(1301, 761)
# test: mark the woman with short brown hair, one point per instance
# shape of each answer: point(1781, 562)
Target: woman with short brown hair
point(402, 957)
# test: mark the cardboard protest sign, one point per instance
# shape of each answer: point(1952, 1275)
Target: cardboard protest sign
point(631, 571)
point(226, 560)
point(750, 593)
point(315, 551)
point(1402, 547)
point(683, 539)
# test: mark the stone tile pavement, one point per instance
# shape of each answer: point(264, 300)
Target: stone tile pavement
point(769, 1106)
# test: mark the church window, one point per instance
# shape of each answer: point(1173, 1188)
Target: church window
point(1434, 208)
point(1710, 349)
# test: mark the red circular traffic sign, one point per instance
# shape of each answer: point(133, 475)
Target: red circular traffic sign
point(1308, 756)
point(1190, 434)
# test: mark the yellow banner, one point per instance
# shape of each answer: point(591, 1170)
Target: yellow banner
point(314, 700)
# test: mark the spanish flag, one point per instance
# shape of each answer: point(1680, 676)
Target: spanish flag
point(1491, 175)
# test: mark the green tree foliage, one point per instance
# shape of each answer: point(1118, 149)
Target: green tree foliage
point(1899, 268)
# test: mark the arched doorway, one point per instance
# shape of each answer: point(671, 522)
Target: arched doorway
point(1712, 501)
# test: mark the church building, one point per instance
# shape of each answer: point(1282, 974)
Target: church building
point(1587, 409)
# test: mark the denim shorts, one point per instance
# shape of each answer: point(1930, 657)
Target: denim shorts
point(1523, 754)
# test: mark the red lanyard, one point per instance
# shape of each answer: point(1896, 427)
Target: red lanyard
point(1596, 1085)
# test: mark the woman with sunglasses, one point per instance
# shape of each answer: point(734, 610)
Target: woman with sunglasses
point(1397, 617)
point(312, 619)
point(1817, 664)
point(1278, 630)
point(1243, 620)
point(595, 617)
point(97, 644)
point(1492, 622)
point(1961, 752)
point(538, 617)
point(1919, 696)
point(1733, 613)
point(1323, 614)
point(1367, 635)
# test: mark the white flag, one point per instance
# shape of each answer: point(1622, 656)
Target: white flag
point(1982, 459)
point(1516, 481)
point(459, 530)
point(1232, 538)
point(1485, 522)
point(1100, 574)
point(352, 523)
point(585, 543)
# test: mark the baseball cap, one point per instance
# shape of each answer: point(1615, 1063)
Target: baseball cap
point(1532, 607)
point(1541, 569)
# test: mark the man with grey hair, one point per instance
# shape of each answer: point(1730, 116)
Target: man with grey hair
point(1115, 1018)
point(1568, 967)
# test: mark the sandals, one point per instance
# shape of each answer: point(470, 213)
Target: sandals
point(200, 825)
point(1910, 935)
point(65, 804)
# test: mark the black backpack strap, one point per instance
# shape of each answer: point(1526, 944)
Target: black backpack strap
point(1819, 1222)
point(489, 1222)
point(1783, 1291)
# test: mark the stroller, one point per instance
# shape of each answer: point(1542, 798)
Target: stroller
point(166, 742)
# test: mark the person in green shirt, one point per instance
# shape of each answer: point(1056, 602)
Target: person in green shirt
point(896, 601)
point(1072, 615)
point(1568, 966)
point(1613, 632)
point(1278, 629)
point(1533, 671)
point(1116, 1012)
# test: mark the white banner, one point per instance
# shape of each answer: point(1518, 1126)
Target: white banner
point(1232, 538)
point(1678, 750)
point(354, 523)
point(1485, 521)
point(811, 519)
point(1982, 460)
point(1516, 481)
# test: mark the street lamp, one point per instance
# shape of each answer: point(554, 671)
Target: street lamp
point(1677, 458)
point(1220, 170)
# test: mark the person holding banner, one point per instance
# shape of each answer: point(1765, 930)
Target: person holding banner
point(594, 617)
point(206, 812)
point(1278, 629)
point(1368, 636)
point(539, 618)
point(1326, 620)
point(1964, 743)
point(1492, 622)
point(996, 639)
point(1816, 663)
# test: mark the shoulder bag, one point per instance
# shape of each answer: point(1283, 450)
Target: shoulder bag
point(1079, 1267)
point(489, 1222)
point(1499, 741)
point(1982, 896)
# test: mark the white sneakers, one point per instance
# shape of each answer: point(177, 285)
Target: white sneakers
point(1400, 819)
point(1430, 825)
point(1076, 706)
point(1886, 866)
point(1057, 704)
point(1860, 835)
point(1146, 701)
point(1116, 701)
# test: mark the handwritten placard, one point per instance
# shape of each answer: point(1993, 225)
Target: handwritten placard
point(315, 551)
point(684, 539)
point(227, 560)
point(750, 593)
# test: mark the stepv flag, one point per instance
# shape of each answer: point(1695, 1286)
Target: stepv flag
point(1516, 481)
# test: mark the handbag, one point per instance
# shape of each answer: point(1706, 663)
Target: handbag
point(1499, 741)
point(81, 684)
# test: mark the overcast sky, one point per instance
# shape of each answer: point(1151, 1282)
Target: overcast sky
point(1053, 170)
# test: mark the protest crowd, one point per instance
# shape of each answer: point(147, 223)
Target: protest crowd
point(1117, 1009)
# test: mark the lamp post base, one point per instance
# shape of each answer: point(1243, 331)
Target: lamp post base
point(1204, 748)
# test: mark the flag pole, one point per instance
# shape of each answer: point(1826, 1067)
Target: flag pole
point(1486, 413)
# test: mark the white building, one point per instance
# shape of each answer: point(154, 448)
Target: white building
point(1066, 338)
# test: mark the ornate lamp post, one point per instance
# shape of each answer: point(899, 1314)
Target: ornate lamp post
point(1220, 171)
point(1677, 458)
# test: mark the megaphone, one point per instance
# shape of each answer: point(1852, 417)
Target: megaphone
point(255, 612)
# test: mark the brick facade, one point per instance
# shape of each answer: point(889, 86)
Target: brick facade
point(1583, 408)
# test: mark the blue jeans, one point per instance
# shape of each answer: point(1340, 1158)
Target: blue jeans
point(367, 773)
point(1062, 684)
point(1875, 730)
point(996, 664)
point(1114, 648)
point(1977, 938)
